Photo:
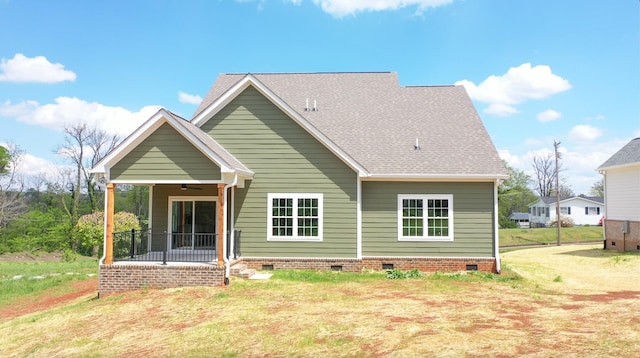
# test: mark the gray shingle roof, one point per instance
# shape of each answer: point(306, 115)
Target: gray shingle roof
point(519, 216)
point(376, 121)
point(628, 154)
point(552, 199)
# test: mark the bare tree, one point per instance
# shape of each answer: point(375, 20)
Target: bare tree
point(100, 143)
point(12, 203)
point(84, 146)
point(544, 171)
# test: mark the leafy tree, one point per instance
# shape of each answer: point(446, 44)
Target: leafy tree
point(5, 160)
point(89, 231)
point(12, 204)
point(37, 230)
point(134, 199)
point(514, 195)
point(597, 189)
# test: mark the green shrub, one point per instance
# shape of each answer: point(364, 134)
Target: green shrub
point(395, 274)
point(89, 231)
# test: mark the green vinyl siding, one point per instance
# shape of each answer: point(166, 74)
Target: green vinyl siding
point(160, 208)
point(285, 159)
point(165, 155)
point(472, 220)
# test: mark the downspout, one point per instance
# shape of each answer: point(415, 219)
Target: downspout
point(104, 229)
point(496, 236)
point(225, 192)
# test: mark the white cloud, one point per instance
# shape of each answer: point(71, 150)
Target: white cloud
point(518, 85)
point(37, 69)
point(342, 8)
point(189, 98)
point(584, 133)
point(500, 109)
point(548, 115)
point(579, 160)
point(33, 166)
point(512, 160)
point(71, 110)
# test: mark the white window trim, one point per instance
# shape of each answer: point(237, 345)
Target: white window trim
point(425, 197)
point(294, 196)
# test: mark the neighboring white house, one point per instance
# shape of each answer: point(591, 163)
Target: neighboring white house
point(583, 210)
point(521, 219)
point(622, 198)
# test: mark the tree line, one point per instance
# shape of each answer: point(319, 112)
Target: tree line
point(54, 213)
point(520, 189)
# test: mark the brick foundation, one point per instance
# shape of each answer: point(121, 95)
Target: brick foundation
point(126, 277)
point(427, 264)
point(122, 277)
point(615, 239)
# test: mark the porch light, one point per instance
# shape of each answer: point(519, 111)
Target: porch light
point(183, 187)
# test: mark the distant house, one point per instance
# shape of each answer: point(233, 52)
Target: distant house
point(333, 171)
point(622, 198)
point(521, 219)
point(583, 210)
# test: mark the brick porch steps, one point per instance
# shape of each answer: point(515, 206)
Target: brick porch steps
point(241, 270)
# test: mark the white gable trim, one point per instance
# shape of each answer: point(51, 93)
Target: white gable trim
point(148, 128)
point(250, 80)
point(601, 170)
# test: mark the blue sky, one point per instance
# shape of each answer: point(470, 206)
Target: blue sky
point(537, 70)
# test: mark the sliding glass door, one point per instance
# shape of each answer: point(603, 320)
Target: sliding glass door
point(193, 223)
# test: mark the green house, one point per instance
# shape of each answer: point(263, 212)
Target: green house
point(341, 171)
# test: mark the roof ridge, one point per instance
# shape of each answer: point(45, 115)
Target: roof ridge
point(307, 73)
point(427, 86)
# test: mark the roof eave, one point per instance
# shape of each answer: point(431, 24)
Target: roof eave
point(437, 177)
point(618, 166)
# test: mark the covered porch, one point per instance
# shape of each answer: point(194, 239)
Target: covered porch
point(191, 180)
point(184, 227)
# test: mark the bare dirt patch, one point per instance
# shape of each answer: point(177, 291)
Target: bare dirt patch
point(65, 294)
point(31, 256)
point(535, 317)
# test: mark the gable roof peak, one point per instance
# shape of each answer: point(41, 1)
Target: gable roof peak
point(627, 155)
point(373, 121)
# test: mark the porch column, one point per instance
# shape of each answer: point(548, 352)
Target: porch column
point(108, 247)
point(221, 224)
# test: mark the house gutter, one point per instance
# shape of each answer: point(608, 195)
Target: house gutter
point(225, 194)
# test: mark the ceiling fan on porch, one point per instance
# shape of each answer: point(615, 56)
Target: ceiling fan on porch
point(186, 187)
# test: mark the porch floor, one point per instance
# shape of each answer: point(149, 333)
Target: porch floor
point(173, 258)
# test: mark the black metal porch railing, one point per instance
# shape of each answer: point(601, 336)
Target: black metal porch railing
point(136, 245)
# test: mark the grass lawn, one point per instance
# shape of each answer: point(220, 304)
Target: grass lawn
point(524, 312)
point(26, 275)
point(549, 235)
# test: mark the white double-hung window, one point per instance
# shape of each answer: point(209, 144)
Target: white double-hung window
point(425, 217)
point(294, 217)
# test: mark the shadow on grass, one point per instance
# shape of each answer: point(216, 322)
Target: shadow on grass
point(598, 252)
